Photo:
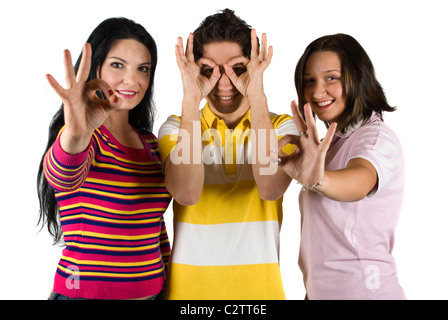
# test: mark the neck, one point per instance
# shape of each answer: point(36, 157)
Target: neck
point(231, 119)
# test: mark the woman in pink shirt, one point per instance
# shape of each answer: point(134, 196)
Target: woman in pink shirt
point(353, 179)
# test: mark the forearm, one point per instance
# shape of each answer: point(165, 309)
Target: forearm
point(347, 185)
point(271, 180)
point(184, 168)
point(64, 171)
point(75, 143)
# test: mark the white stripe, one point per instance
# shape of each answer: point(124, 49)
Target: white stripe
point(226, 244)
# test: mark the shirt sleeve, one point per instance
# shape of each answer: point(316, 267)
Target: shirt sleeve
point(64, 171)
point(168, 135)
point(379, 145)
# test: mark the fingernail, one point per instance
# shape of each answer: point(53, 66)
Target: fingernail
point(115, 99)
point(111, 93)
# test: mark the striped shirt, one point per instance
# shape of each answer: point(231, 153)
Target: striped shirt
point(111, 200)
point(227, 245)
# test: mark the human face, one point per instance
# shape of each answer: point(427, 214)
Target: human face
point(323, 86)
point(126, 70)
point(224, 97)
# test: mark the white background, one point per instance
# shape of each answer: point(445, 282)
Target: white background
point(406, 40)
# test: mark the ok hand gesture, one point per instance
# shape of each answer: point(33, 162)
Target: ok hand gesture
point(307, 163)
point(83, 110)
point(250, 83)
point(196, 85)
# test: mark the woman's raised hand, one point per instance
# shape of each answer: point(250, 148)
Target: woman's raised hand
point(83, 110)
point(195, 84)
point(307, 163)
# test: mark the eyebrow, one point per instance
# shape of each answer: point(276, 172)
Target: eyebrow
point(124, 61)
point(326, 71)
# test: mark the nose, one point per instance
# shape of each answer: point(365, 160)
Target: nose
point(320, 90)
point(224, 82)
point(130, 77)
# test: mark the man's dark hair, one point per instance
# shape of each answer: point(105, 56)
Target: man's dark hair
point(222, 26)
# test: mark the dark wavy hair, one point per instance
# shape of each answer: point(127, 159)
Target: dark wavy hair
point(222, 26)
point(363, 93)
point(141, 117)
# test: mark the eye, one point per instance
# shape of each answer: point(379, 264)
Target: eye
point(308, 82)
point(116, 65)
point(207, 72)
point(239, 70)
point(144, 69)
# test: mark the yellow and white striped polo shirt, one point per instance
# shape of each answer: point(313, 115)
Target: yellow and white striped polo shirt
point(227, 245)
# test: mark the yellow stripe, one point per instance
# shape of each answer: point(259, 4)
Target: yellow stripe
point(110, 263)
point(101, 247)
point(245, 206)
point(119, 196)
point(125, 184)
point(241, 282)
point(121, 168)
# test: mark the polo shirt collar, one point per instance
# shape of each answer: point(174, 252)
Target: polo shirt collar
point(212, 119)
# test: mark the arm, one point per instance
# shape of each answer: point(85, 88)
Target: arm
point(66, 172)
point(184, 179)
point(307, 163)
point(271, 180)
point(83, 111)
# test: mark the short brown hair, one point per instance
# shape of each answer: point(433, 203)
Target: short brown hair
point(222, 26)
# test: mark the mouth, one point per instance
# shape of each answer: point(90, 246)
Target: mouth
point(323, 105)
point(226, 99)
point(127, 94)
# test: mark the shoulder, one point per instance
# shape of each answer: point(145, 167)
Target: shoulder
point(170, 126)
point(284, 124)
point(376, 134)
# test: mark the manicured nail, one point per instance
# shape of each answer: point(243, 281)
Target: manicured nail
point(115, 99)
point(111, 93)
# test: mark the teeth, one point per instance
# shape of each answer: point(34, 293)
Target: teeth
point(126, 93)
point(225, 98)
point(324, 103)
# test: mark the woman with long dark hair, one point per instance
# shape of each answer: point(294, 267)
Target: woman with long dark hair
point(353, 179)
point(100, 184)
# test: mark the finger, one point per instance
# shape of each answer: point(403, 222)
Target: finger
point(204, 62)
point(69, 70)
point(254, 44)
point(298, 119)
point(189, 49)
point(98, 84)
point(268, 59)
point(264, 45)
point(325, 144)
point(238, 60)
point(311, 124)
point(84, 66)
point(56, 86)
point(285, 140)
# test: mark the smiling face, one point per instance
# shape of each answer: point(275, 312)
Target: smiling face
point(224, 97)
point(127, 71)
point(323, 87)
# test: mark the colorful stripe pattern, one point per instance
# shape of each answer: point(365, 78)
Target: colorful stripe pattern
point(111, 200)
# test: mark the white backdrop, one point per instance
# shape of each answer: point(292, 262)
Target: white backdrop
point(406, 40)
